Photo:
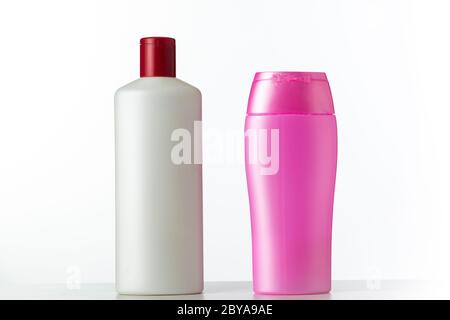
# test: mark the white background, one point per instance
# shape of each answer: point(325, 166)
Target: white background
point(388, 66)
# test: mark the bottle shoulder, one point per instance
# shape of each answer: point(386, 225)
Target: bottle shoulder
point(158, 85)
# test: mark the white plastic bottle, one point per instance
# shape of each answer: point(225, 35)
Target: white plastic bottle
point(159, 236)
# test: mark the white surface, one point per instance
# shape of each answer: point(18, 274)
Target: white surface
point(159, 201)
point(388, 66)
point(342, 290)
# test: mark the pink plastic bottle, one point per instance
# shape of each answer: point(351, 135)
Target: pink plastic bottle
point(291, 153)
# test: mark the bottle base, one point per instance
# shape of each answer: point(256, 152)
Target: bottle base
point(157, 293)
point(300, 293)
point(291, 292)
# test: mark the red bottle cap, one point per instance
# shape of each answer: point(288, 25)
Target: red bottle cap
point(157, 57)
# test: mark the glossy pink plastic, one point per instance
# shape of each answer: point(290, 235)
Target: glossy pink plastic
point(292, 207)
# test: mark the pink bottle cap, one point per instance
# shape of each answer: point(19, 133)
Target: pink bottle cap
point(290, 93)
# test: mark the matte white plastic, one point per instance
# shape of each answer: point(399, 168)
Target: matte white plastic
point(159, 233)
